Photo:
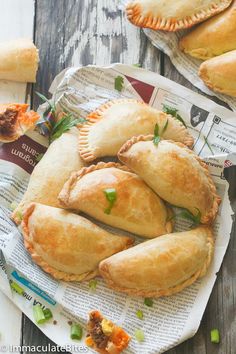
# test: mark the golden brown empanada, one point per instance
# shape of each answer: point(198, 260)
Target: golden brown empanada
point(66, 245)
point(113, 123)
point(213, 37)
point(172, 15)
point(52, 171)
point(175, 173)
point(15, 121)
point(162, 266)
point(136, 207)
point(18, 60)
point(219, 73)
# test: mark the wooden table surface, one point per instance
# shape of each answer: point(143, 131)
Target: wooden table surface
point(81, 32)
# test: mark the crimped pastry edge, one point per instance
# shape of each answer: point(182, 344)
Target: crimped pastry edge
point(134, 15)
point(86, 152)
point(103, 271)
point(210, 216)
point(69, 184)
point(57, 274)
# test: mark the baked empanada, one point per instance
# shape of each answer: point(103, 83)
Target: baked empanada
point(175, 173)
point(52, 171)
point(162, 266)
point(111, 193)
point(213, 37)
point(66, 245)
point(15, 121)
point(113, 123)
point(172, 15)
point(219, 73)
point(18, 60)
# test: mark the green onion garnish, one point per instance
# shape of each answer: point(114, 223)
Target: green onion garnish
point(174, 113)
point(111, 197)
point(76, 331)
point(139, 314)
point(47, 314)
point(215, 336)
point(119, 83)
point(139, 335)
point(148, 302)
point(13, 205)
point(17, 288)
point(157, 137)
point(19, 215)
point(93, 284)
point(38, 314)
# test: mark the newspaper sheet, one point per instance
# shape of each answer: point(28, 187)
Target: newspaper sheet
point(171, 320)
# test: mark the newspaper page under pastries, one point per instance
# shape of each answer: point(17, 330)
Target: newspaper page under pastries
point(171, 320)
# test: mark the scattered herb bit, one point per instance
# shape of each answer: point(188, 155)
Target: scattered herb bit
point(111, 197)
point(119, 83)
point(208, 144)
point(39, 314)
point(76, 331)
point(19, 215)
point(157, 137)
point(48, 314)
point(93, 284)
point(215, 336)
point(17, 288)
point(39, 157)
point(139, 335)
point(13, 206)
point(165, 126)
point(55, 322)
point(44, 99)
point(148, 302)
point(63, 125)
point(186, 214)
point(174, 112)
point(137, 65)
point(139, 314)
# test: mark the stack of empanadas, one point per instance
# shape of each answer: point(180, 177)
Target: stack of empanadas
point(134, 196)
point(214, 37)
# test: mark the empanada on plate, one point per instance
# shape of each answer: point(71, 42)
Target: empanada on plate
point(172, 15)
point(219, 73)
point(213, 37)
point(15, 121)
point(135, 207)
point(175, 173)
point(113, 123)
point(162, 266)
point(66, 245)
point(52, 171)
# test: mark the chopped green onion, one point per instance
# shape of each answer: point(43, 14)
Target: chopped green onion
point(156, 138)
point(76, 331)
point(38, 314)
point(139, 314)
point(119, 82)
point(17, 288)
point(174, 113)
point(39, 157)
point(13, 205)
point(48, 314)
point(44, 99)
point(111, 197)
point(148, 302)
point(215, 336)
point(64, 124)
point(165, 126)
point(19, 215)
point(186, 214)
point(93, 284)
point(139, 335)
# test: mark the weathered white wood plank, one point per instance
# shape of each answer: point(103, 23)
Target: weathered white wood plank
point(17, 19)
